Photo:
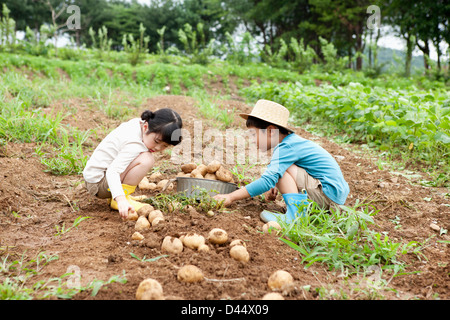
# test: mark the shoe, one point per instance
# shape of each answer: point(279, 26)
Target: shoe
point(293, 201)
point(132, 200)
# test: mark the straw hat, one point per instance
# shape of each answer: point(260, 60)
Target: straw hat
point(271, 112)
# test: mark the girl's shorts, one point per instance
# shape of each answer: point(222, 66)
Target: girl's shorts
point(99, 189)
point(313, 188)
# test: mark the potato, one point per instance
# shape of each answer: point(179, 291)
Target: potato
point(137, 236)
point(188, 168)
point(193, 240)
point(239, 253)
point(145, 210)
point(173, 206)
point(151, 186)
point(162, 184)
point(170, 187)
point(279, 279)
point(218, 236)
point(190, 273)
point(172, 245)
point(202, 169)
point(155, 176)
point(196, 174)
point(181, 174)
point(271, 226)
point(273, 296)
point(149, 289)
point(142, 224)
point(132, 216)
point(154, 214)
point(210, 176)
point(203, 248)
point(224, 175)
point(238, 242)
point(157, 220)
point(210, 213)
point(213, 166)
point(144, 183)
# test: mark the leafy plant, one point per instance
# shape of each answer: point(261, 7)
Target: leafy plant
point(136, 48)
point(144, 259)
point(343, 241)
point(103, 44)
point(70, 157)
point(303, 56)
point(239, 52)
point(195, 46)
point(60, 230)
point(240, 172)
point(330, 56)
point(278, 58)
point(36, 44)
point(7, 30)
point(201, 200)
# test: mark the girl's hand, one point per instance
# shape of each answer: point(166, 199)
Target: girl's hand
point(124, 207)
point(224, 198)
point(271, 195)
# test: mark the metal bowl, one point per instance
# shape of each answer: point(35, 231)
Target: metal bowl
point(190, 185)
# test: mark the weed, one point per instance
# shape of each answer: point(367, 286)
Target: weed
point(201, 200)
point(62, 230)
point(240, 172)
point(342, 240)
point(144, 259)
point(19, 273)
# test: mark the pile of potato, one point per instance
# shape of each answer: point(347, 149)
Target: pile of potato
point(155, 182)
point(213, 171)
point(145, 218)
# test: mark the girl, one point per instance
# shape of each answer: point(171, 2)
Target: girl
point(125, 156)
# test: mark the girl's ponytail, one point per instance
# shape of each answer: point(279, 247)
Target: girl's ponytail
point(147, 115)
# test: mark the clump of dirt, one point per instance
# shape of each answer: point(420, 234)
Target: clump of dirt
point(101, 247)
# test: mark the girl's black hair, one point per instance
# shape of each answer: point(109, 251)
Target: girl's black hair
point(262, 124)
point(165, 122)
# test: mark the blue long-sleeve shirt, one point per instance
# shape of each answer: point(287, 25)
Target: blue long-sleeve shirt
point(308, 155)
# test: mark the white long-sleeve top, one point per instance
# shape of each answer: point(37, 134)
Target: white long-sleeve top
point(114, 154)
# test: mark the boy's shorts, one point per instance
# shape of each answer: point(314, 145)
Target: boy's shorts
point(313, 188)
point(99, 189)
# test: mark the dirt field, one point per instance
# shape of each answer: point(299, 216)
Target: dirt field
point(101, 246)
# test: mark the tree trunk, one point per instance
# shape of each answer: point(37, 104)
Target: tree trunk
point(438, 51)
point(370, 50)
point(409, 49)
point(426, 52)
point(359, 47)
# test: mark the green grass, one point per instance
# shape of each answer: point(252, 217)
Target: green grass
point(18, 279)
point(344, 242)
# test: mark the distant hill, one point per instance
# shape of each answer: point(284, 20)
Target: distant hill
point(395, 59)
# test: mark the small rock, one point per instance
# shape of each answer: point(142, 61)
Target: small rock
point(435, 227)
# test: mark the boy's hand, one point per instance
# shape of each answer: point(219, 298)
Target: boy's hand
point(124, 207)
point(224, 198)
point(271, 195)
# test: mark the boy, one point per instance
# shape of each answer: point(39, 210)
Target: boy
point(297, 166)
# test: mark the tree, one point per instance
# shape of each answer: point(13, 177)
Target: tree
point(419, 23)
point(344, 23)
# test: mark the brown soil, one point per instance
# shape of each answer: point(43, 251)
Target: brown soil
point(101, 246)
